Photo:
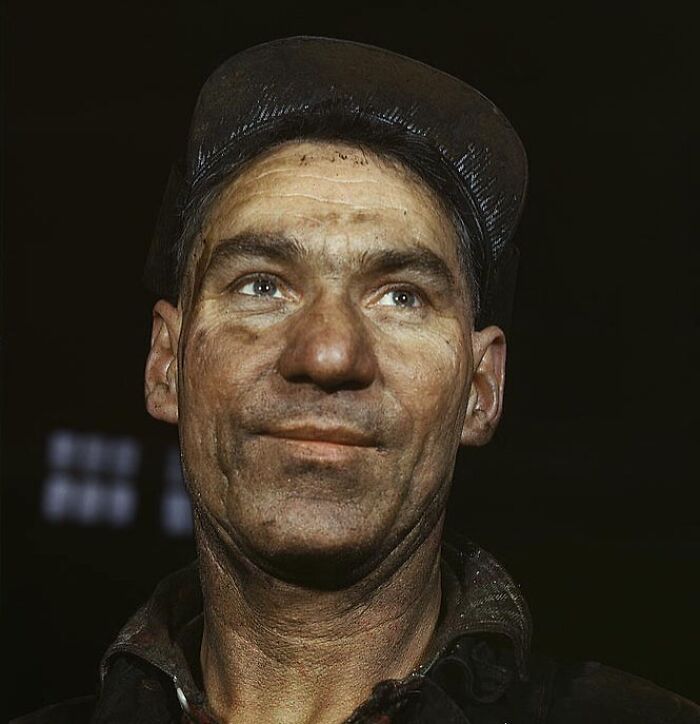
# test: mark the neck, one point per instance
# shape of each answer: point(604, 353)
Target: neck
point(275, 651)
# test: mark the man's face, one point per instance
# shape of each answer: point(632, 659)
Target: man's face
point(325, 360)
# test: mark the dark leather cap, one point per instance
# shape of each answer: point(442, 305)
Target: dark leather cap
point(251, 94)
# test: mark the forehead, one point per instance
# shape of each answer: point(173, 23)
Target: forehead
point(331, 195)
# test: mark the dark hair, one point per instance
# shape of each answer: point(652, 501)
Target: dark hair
point(355, 127)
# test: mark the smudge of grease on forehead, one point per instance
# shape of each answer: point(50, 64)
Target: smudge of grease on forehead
point(337, 178)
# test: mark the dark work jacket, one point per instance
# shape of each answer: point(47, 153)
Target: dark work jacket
point(477, 669)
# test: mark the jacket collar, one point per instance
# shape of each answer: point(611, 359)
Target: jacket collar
point(479, 597)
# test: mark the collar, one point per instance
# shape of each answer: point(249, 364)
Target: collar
point(479, 597)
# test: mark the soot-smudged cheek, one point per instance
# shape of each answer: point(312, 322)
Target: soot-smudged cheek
point(223, 357)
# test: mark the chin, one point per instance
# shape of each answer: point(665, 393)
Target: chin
point(316, 548)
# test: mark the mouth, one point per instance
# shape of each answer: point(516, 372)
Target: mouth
point(324, 435)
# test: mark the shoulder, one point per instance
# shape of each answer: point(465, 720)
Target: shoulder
point(592, 692)
point(73, 711)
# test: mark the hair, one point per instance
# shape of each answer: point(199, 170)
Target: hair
point(330, 122)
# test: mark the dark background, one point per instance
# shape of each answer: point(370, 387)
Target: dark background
point(588, 492)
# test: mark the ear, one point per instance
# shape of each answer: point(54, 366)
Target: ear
point(161, 365)
point(486, 391)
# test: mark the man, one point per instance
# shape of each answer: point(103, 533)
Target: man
point(333, 263)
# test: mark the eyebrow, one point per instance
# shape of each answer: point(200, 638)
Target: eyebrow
point(282, 248)
point(256, 246)
point(418, 259)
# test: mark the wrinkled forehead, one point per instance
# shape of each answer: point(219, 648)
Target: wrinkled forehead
point(333, 197)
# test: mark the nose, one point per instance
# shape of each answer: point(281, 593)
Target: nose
point(329, 346)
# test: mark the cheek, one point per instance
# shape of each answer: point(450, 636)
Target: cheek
point(221, 360)
point(428, 376)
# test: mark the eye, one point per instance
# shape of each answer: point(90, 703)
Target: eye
point(400, 298)
point(261, 286)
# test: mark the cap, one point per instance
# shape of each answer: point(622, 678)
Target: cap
point(247, 99)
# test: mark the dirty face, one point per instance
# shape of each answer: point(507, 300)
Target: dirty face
point(326, 360)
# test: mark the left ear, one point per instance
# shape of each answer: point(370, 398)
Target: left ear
point(486, 391)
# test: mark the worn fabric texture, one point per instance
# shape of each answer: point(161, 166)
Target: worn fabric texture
point(477, 670)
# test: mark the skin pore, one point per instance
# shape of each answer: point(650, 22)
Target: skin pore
point(323, 369)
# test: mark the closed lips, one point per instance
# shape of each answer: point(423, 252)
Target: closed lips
point(335, 435)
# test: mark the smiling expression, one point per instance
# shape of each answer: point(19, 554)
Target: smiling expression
point(325, 359)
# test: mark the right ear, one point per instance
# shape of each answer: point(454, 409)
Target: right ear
point(161, 365)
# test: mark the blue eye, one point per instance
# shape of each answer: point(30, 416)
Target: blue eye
point(261, 287)
point(400, 298)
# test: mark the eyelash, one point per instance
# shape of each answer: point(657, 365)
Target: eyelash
point(420, 298)
point(239, 283)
